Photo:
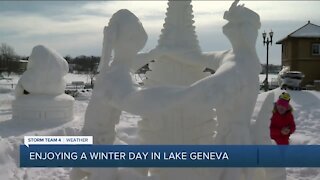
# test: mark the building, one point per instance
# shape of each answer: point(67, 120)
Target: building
point(301, 52)
point(17, 66)
point(22, 65)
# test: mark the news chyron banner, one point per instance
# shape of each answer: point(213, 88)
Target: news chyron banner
point(79, 151)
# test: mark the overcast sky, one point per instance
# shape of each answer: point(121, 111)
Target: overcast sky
point(75, 27)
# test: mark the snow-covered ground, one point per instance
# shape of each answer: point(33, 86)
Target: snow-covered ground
point(306, 106)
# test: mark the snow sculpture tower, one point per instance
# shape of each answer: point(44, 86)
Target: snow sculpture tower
point(187, 124)
point(40, 90)
point(178, 34)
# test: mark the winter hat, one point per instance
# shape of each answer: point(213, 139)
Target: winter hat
point(285, 96)
point(282, 102)
point(284, 99)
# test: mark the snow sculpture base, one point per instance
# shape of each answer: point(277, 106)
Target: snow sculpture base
point(43, 108)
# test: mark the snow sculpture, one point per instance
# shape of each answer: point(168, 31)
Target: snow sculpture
point(178, 33)
point(170, 107)
point(284, 70)
point(180, 62)
point(175, 126)
point(40, 90)
point(100, 116)
point(125, 36)
point(45, 72)
point(239, 70)
point(114, 90)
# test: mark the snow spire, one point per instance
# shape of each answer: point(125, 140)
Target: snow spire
point(178, 29)
point(178, 36)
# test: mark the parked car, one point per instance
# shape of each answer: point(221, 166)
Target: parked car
point(291, 80)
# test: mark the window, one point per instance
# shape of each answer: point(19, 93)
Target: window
point(284, 50)
point(315, 49)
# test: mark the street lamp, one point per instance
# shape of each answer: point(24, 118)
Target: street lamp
point(267, 41)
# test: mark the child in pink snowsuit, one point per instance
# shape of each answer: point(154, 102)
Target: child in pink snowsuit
point(282, 121)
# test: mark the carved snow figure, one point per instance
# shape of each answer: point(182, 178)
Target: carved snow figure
point(40, 90)
point(240, 69)
point(125, 36)
point(101, 117)
point(45, 72)
point(237, 96)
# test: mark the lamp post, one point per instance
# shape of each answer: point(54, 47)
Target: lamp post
point(267, 41)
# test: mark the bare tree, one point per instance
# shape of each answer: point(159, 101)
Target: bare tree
point(7, 50)
point(7, 55)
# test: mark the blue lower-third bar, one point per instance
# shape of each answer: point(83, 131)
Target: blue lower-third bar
point(169, 156)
